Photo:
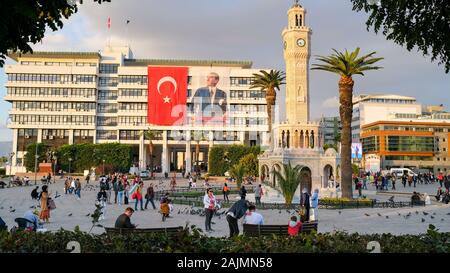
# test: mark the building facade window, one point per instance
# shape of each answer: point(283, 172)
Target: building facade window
point(108, 68)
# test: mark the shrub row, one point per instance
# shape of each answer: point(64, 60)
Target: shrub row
point(222, 157)
point(118, 157)
point(191, 240)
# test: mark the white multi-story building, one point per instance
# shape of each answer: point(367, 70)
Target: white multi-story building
point(96, 97)
point(370, 108)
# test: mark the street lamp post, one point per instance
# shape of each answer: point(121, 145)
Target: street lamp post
point(54, 169)
point(70, 161)
point(11, 155)
point(35, 164)
point(103, 167)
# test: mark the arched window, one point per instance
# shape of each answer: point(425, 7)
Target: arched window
point(302, 139)
point(311, 141)
point(283, 139)
point(288, 138)
point(300, 23)
point(296, 20)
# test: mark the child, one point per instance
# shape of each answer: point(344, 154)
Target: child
point(165, 209)
point(294, 227)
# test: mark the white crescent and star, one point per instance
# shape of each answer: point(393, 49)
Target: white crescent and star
point(163, 80)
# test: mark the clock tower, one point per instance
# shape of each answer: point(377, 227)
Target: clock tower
point(296, 40)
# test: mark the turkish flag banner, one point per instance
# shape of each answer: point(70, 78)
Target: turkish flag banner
point(167, 92)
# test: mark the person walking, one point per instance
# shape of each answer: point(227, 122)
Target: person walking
point(304, 201)
point(226, 192)
point(120, 190)
point(45, 211)
point(210, 204)
point(78, 188)
point(34, 193)
point(440, 178)
point(127, 193)
point(315, 204)
point(243, 191)
point(138, 196)
point(447, 183)
point(235, 213)
point(150, 196)
point(115, 186)
point(394, 179)
point(101, 199)
point(66, 185)
point(88, 178)
point(404, 180)
point(258, 194)
point(72, 185)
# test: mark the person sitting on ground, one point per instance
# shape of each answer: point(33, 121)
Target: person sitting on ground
point(34, 193)
point(294, 226)
point(415, 198)
point(124, 221)
point(439, 194)
point(252, 217)
point(2, 184)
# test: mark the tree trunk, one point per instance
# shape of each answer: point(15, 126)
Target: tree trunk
point(270, 101)
point(345, 111)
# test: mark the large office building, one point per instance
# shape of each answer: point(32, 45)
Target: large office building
point(370, 108)
point(98, 97)
point(418, 143)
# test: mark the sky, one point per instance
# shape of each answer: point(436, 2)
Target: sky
point(247, 30)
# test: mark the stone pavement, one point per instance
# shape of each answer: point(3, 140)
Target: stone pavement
point(351, 220)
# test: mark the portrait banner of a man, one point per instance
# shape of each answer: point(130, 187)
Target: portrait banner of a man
point(210, 103)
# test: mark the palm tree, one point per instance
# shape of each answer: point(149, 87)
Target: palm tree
point(289, 181)
point(238, 171)
point(346, 65)
point(198, 136)
point(269, 82)
point(151, 135)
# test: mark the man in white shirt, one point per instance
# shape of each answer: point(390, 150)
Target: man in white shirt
point(252, 217)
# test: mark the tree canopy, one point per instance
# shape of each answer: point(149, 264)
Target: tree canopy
point(25, 21)
point(424, 24)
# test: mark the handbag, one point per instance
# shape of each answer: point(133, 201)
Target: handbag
point(51, 204)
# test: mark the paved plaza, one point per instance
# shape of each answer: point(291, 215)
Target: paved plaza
point(14, 202)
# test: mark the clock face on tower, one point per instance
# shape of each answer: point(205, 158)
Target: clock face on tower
point(301, 42)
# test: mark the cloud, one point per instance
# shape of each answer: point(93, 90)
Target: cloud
point(332, 102)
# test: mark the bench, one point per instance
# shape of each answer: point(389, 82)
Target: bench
point(261, 230)
point(167, 230)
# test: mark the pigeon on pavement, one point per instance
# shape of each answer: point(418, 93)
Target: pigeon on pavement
point(88, 214)
point(423, 220)
point(70, 214)
point(379, 214)
point(425, 213)
point(366, 214)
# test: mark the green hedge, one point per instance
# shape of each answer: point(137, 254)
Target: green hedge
point(217, 165)
point(118, 157)
point(191, 240)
